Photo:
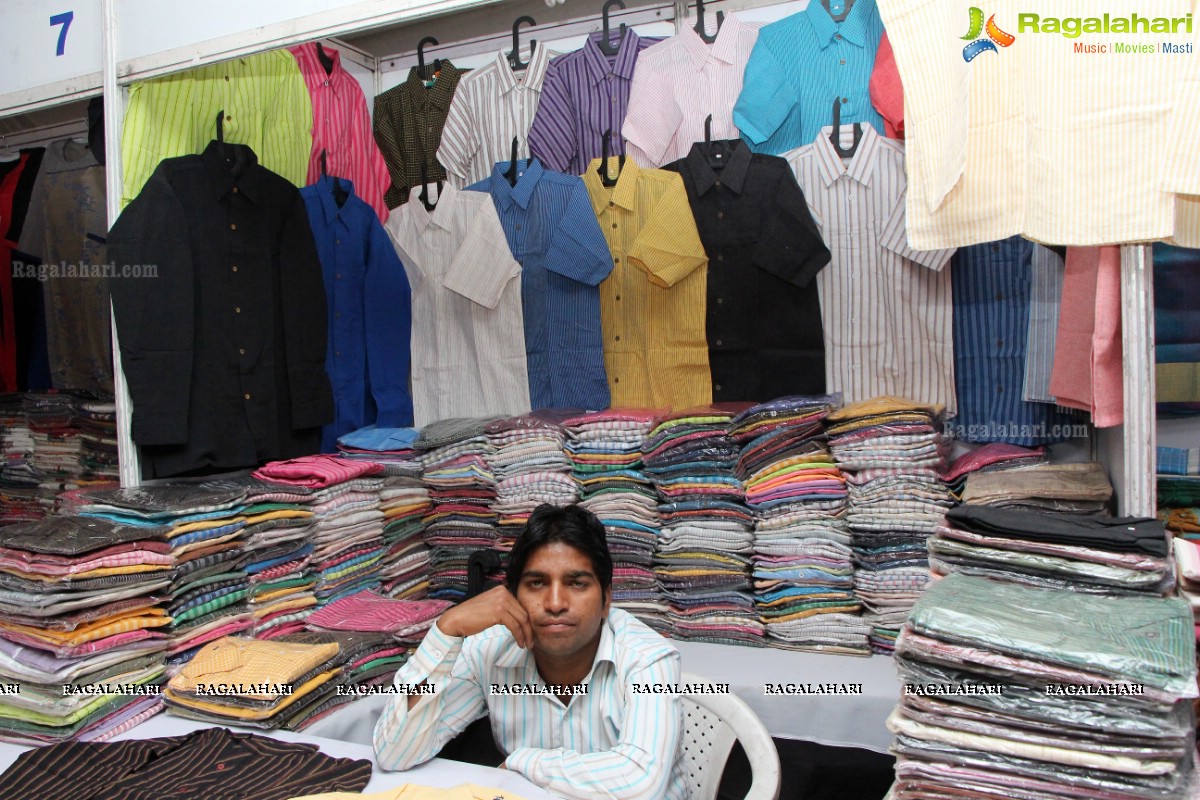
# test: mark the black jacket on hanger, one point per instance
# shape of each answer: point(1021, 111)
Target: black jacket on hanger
point(224, 349)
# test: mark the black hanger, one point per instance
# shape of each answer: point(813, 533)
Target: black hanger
point(514, 57)
point(424, 194)
point(699, 28)
point(340, 195)
point(511, 174)
point(437, 62)
point(221, 134)
point(605, 149)
point(715, 152)
point(605, 43)
point(479, 565)
point(325, 59)
point(836, 137)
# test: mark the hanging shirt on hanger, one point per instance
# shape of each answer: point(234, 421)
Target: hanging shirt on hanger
point(370, 307)
point(10, 179)
point(408, 129)
point(224, 350)
point(764, 249)
point(585, 94)
point(266, 107)
point(885, 307)
point(993, 287)
point(341, 128)
point(66, 225)
point(468, 349)
point(1177, 328)
point(678, 83)
point(491, 107)
point(551, 230)
point(799, 65)
point(1044, 303)
point(25, 326)
point(652, 305)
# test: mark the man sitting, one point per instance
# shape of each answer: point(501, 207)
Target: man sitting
point(554, 666)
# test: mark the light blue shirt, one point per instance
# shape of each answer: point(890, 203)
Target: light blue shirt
point(613, 742)
point(799, 65)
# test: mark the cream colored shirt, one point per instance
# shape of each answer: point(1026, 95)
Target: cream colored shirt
point(411, 791)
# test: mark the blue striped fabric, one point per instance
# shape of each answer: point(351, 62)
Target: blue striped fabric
point(553, 233)
point(612, 742)
point(1178, 461)
point(585, 94)
point(799, 65)
point(992, 291)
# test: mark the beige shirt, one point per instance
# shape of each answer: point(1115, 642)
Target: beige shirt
point(411, 791)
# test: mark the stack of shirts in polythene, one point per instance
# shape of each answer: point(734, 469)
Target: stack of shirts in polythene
point(891, 450)
point(390, 448)
point(1084, 553)
point(531, 468)
point(405, 503)
point(803, 565)
point(1082, 488)
point(81, 627)
point(236, 681)
point(605, 450)
point(204, 526)
point(57, 446)
point(347, 525)
point(1012, 692)
point(703, 556)
point(97, 423)
point(463, 488)
point(18, 478)
point(991, 457)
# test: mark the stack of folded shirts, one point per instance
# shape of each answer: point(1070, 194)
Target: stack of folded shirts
point(97, 424)
point(531, 468)
point(347, 525)
point(605, 451)
point(57, 446)
point(364, 659)
point(891, 450)
point(703, 556)
point(803, 565)
point(1102, 555)
point(18, 478)
point(462, 487)
point(1082, 488)
point(1013, 691)
point(251, 682)
point(204, 526)
point(404, 571)
point(278, 563)
point(990, 458)
point(1187, 557)
point(390, 448)
point(81, 606)
point(1179, 504)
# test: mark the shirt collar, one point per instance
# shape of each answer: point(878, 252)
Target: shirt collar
point(442, 90)
point(535, 73)
point(329, 208)
point(309, 61)
point(221, 173)
point(530, 171)
point(733, 175)
point(440, 216)
point(853, 28)
point(861, 165)
point(723, 49)
point(623, 194)
point(600, 65)
point(513, 657)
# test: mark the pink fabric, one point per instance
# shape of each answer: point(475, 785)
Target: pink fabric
point(127, 559)
point(887, 93)
point(614, 417)
point(367, 611)
point(342, 128)
point(1088, 366)
point(994, 453)
point(316, 471)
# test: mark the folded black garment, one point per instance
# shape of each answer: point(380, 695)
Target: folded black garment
point(1116, 534)
point(75, 536)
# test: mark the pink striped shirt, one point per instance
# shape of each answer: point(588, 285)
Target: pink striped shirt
point(316, 471)
point(342, 128)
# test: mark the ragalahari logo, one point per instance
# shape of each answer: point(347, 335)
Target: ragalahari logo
point(995, 36)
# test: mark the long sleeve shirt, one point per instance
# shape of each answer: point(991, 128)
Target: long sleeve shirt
point(613, 742)
point(370, 313)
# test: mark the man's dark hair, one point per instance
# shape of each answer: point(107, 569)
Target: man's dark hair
point(572, 525)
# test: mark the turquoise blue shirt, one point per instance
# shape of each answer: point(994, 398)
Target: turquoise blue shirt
point(799, 65)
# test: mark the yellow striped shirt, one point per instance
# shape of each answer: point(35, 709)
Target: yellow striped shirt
point(652, 306)
point(266, 105)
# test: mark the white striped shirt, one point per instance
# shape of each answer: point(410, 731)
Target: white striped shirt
point(677, 83)
point(468, 341)
point(490, 107)
point(613, 742)
point(1044, 301)
point(995, 148)
point(886, 308)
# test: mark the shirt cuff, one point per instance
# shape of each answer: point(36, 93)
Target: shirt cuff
point(436, 649)
point(526, 761)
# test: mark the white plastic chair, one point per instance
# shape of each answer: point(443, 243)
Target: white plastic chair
point(711, 724)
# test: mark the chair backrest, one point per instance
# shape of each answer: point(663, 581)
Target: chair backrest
point(711, 724)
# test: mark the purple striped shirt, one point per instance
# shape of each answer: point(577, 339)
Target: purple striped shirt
point(585, 93)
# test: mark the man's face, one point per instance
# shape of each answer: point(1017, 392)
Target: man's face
point(562, 595)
